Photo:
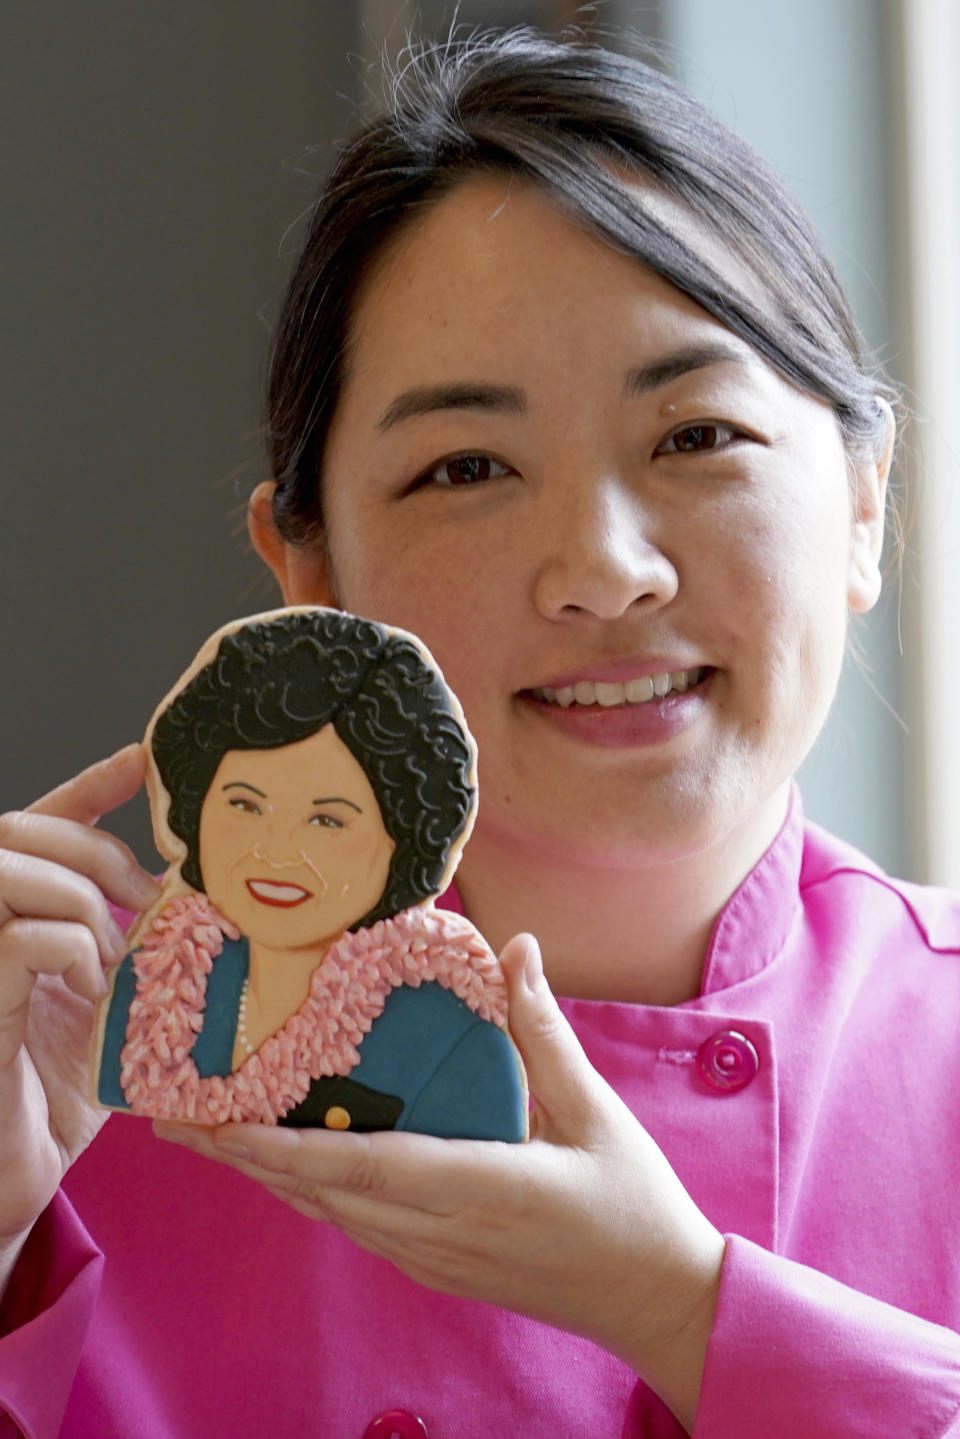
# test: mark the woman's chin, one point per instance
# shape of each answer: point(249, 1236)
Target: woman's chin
point(613, 840)
point(633, 822)
point(271, 926)
point(294, 938)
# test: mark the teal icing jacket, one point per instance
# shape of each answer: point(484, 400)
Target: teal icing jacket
point(429, 1063)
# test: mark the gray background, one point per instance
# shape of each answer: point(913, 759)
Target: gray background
point(156, 159)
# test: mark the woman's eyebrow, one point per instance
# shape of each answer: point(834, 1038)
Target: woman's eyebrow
point(339, 799)
point(426, 399)
point(511, 400)
point(670, 367)
point(242, 784)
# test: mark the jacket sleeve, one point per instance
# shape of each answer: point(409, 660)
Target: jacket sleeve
point(794, 1352)
point(44, 1315)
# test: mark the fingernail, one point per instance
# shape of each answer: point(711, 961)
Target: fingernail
point(176, 1133)
point(118, 940)
point(533, 967)
point(239, 1151)
point(145, 886)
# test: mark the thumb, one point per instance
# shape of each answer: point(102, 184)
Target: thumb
point(566, 1089)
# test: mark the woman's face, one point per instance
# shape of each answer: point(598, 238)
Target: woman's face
point(571, 481)
point(293, 848)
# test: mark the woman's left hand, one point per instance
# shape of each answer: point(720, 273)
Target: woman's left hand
point(586, 1227)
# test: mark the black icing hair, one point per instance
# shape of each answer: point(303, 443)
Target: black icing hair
point(278, 680)
point(578, 121)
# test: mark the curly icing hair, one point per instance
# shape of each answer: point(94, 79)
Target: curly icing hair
point(277, 680)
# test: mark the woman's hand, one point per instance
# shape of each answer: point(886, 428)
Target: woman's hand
point(586, 1227)
point(57, 939)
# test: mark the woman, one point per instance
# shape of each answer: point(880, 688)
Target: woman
point(313, 988)
point(565, 384)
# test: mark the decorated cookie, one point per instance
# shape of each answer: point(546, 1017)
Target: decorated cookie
point(312, 783)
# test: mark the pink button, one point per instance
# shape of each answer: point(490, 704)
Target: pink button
point(396, 1424)
point(727, 1061)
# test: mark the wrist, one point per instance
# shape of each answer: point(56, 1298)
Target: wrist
point(668, 1344)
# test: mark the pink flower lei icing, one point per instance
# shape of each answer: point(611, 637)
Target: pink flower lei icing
point(347, 993)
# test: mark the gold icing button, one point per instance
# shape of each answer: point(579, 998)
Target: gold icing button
point(337, 1117)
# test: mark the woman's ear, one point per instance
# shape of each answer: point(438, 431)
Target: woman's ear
point(303, 573)
point(866, 541)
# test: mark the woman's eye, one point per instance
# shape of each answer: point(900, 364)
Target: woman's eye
point(470, 469)
point(696, 439)
point(325, 821)
point(246, 805)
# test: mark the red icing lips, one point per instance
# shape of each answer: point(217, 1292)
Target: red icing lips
point(282, 896)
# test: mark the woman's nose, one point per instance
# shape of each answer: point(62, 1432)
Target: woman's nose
point(279, 848)
point(600, 554)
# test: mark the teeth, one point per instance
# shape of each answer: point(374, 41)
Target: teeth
point(284, 893)
point(639, 691)
point(609, 693)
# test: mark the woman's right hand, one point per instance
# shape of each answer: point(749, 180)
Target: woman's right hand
point(57, 940)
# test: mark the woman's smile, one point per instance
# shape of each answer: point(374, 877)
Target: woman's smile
point(284, 896)
point(646, 710)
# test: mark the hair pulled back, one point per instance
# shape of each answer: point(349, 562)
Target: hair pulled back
point(578, 121)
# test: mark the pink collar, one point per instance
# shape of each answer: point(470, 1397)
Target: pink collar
point(753, 925)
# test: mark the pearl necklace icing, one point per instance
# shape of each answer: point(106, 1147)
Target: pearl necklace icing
point(242, 1038)
point(348, 990)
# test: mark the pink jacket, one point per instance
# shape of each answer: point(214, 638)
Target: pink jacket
point(809, 1098)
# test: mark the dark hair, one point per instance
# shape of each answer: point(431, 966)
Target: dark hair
point(574, 119)
point(278, 680)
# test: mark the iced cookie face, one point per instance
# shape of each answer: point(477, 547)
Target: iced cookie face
point(293, 848)
point(311, 772)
